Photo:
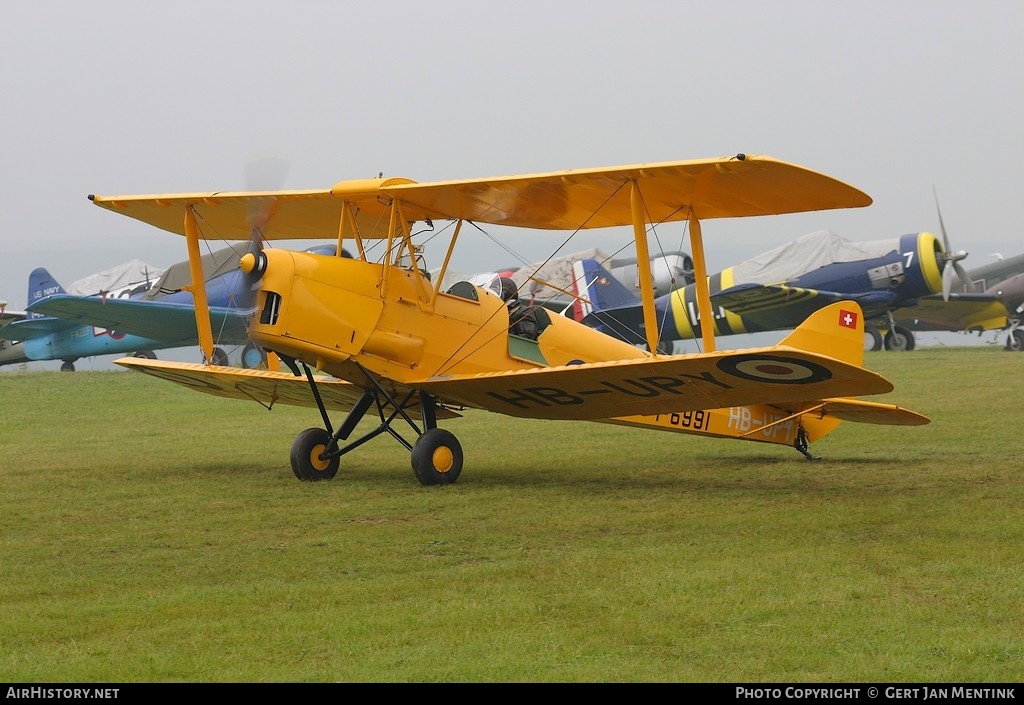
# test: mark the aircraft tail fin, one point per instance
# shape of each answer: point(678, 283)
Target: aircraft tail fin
point(836, 330)
point(40, 285)
point(597, 289)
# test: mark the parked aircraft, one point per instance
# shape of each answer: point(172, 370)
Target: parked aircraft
point(10, 351)
point(139, 317)
point(30, 336)
point(550, 283)
point(995, 286)
point(780, 288)
point(165, 314)
point(8, 314)
point(392, 341)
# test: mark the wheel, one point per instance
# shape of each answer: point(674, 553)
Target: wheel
point(899, 339)
point(253, 356)
point(67, 367)
point(306, 461)
point(872, 339)
point(145, 354)
point(219, 357)
point(437, 458)
point(1015, 340)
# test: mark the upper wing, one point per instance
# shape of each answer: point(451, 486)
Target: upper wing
point(776, 306)
point(150, 319)
point(660, 385)
point(262, 386)
point(961, 312)
point(737, 186)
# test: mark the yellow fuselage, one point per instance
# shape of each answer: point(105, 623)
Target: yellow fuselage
point(331, 312)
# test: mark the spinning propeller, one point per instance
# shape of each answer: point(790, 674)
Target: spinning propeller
point(264, 174)
point(952, 260)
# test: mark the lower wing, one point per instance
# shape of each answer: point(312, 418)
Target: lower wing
point(778, 306)
point(646, 386)
point(262, 386)
point(960, 312)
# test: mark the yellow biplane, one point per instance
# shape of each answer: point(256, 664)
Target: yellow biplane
point(366, 332)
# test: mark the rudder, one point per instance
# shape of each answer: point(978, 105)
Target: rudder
point(40, 285)
point(836, 330)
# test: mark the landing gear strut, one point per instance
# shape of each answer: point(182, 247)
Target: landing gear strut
point(436, 453)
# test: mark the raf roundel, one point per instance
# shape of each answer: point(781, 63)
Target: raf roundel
point(771, 368)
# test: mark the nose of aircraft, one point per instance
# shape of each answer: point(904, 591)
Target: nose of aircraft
point(253, 263)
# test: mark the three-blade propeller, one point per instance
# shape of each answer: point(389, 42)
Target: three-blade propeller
point(952, 267)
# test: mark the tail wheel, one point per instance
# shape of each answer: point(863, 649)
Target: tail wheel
point(307, 464)
point(437, 458)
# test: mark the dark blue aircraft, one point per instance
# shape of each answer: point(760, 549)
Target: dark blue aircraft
point(779, 289)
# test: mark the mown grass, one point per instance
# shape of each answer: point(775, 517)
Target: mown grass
point(152, 534)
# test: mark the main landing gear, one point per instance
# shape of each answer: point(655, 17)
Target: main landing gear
point(895, 339)
point(1015, 340)
point(436, 453)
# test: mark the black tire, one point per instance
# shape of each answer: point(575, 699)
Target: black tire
point(67, 367)
point(254, 357)
point(305, 456)
point(1015, 340)
point(872, 339)
point(437, 458)
point(899, 339)
point(145, 355)
point(219, 358)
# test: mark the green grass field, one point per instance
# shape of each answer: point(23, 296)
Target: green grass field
point(152, 534)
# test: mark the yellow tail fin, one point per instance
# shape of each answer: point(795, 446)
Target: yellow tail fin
point(836, 330)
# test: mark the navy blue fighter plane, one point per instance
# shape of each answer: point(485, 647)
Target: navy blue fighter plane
point(779, 289)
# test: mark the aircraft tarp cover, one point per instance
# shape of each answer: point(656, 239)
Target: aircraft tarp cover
point(806, 254)
point(119, 277)
point(214, 264)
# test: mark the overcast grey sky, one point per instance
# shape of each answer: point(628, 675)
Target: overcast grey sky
point(893, 96)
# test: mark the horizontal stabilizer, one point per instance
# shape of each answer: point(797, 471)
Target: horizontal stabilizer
point(859, 411)
point(32, 328)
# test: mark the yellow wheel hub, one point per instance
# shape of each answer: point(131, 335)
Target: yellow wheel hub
point(442, 459)
point(315, 460)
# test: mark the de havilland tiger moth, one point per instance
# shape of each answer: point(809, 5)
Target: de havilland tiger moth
point(372, 331)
